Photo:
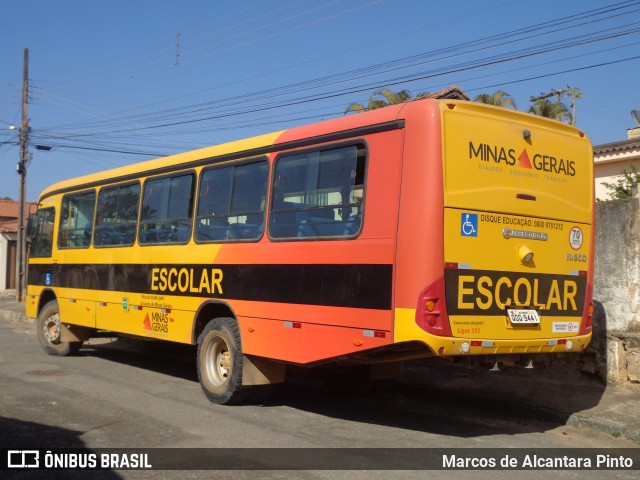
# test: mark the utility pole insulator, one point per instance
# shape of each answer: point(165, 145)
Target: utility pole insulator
point(177, 49)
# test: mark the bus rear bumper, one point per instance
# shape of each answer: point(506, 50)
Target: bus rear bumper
point(406, 330)
point(453, 346)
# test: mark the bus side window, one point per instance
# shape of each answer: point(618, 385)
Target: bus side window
point(117, 216)
point(231, 203)
point(167, 210)
point(42, 234)
point(318, 194)
point(76, 222)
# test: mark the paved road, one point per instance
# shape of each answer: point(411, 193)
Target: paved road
point(115, 395)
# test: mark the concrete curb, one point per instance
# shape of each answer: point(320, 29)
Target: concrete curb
point(611, 427)
point(13, 316)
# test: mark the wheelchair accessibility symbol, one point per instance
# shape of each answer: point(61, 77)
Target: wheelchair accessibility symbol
point(469, 224)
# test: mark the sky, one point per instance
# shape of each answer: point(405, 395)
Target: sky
point(116, 82)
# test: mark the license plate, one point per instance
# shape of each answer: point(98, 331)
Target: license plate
point(523, 317)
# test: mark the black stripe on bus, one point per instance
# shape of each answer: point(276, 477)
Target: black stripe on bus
point(337, 285)
point(244, 154)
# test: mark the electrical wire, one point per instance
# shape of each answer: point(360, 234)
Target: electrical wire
point(133, 129)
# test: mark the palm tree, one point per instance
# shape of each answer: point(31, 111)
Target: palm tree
point(499, 99)
point(371, 105)
point(394, 98)
point(554, 110)
point(389, 98)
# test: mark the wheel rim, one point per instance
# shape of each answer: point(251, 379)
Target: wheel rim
point(217, 361)
point(52, 328)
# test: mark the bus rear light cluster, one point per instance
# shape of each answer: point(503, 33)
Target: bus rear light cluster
point(590, 311)
point(432, 312)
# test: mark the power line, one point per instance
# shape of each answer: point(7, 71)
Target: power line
point(162, 63)
point(377, 69)
point(135, 129)
point(163, 121)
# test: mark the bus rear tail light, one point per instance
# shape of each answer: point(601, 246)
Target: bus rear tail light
point(432, 320)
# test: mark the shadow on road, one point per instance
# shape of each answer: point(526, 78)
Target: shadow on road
point(20, 435)
point(449, 400)
point(442, 399)
point(173, 359)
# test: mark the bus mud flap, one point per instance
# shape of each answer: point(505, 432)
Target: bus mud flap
point(74, 333)
point(261, 371)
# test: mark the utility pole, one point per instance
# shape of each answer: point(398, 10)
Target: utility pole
point(574, 93)
point(21, 250)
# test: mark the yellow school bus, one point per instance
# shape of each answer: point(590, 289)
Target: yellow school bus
point(434, 228)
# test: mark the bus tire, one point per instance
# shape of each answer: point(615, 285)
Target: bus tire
point(219, 361)
point(49, 328)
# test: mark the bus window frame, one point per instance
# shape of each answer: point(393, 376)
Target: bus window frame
point(358, 143)
point(194, 185)
point(137, 223)
point(61, 220)
point(236, 163)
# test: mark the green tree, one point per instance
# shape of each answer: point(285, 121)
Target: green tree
point(499, 98)
point(388, 98)
point(555, 110)
point(623, 186)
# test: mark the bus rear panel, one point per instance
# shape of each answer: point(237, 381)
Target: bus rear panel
point(517, 237)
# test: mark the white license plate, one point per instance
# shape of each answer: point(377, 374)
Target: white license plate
point(523, 317)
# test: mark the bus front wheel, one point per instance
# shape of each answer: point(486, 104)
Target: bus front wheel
point(49, 328)
point(220, 362)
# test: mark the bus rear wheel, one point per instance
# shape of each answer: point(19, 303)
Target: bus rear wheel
point(220, 362)
point(49, 328)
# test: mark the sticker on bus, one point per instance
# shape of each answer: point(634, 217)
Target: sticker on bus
point(565, 327)
point(575, 238)
point(469, 224)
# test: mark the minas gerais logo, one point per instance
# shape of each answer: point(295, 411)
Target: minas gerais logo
point(543, 162)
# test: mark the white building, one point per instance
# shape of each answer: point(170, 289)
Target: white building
point(611, 159)
point(8, 233)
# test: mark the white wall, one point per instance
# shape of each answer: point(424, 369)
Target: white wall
point(617, 263)
point(4, 249)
